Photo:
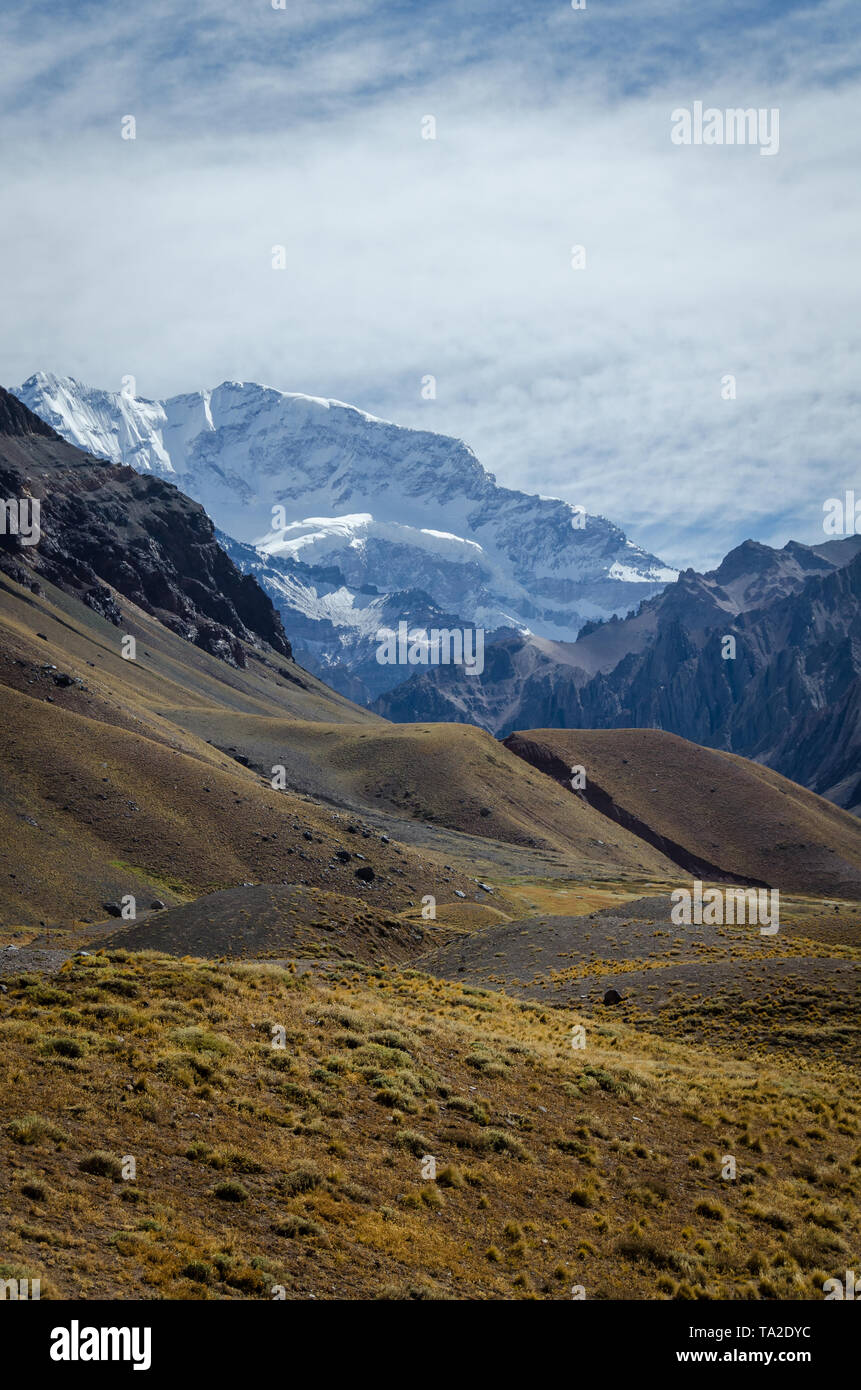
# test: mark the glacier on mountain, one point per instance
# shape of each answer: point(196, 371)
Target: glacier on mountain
point(336, 504)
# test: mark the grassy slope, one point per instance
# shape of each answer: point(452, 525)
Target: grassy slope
point(446, 774)
point(721, 807)
point(728, 986)
point(100, 795)
point(168, 671)
point(258, 1166)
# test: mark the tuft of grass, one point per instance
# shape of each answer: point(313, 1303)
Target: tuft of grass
point(642, 1249)
point(34, 1129)
point(302, 1179)
point(396, 1098)
point(102, 1165)
point(712, 1211)
point(390, 1038)
point(503, 1143)
point(415, 1142)
point(583, 1196)
point(35, 1190)
point(64, 1047)
point(200, 1040)
point(231, 1191)
point(294, 1227)
point(450, 1177)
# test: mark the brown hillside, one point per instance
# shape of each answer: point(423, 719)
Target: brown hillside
point(724, 811)
point(451, 775)
point(302, 1167)
point(101, 795)
point(279, 920)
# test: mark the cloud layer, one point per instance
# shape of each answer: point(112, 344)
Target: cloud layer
point(405, 257)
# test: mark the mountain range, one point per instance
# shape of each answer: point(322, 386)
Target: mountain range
point(352, 524)
point(285, 950)
point(760, 657)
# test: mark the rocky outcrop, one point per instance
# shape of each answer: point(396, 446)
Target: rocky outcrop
point(107, 529)
point(16, 419)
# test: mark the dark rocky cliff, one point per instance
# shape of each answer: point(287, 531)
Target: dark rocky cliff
point(107, 525)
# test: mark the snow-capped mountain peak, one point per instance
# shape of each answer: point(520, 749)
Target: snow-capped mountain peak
point(321, 485)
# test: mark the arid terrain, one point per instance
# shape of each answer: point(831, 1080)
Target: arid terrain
point(293, 998)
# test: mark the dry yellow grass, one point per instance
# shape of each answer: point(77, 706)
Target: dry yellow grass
point(302, 1166)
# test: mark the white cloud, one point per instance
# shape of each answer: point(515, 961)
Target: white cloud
point(451, 257)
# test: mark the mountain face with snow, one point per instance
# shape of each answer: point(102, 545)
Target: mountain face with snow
point(352, 523)
point(786, 691)
point(106, 530)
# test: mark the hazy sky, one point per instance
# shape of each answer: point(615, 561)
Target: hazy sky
point(302, 127)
